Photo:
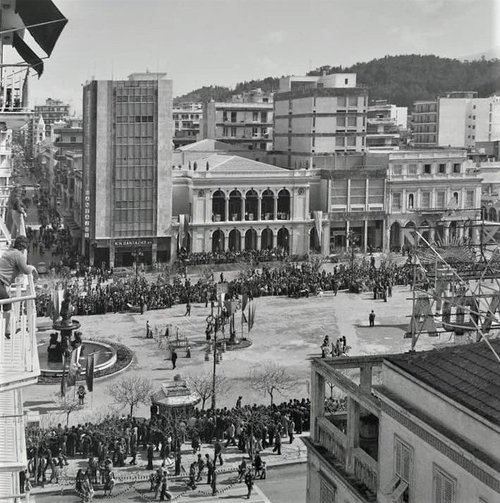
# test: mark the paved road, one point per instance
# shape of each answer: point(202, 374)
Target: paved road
point(285, 484)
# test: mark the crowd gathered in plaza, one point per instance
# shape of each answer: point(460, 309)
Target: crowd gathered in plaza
point(137, 292)
point(115, 442)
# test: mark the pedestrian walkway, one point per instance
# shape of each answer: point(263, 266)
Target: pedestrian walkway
point(132, 479)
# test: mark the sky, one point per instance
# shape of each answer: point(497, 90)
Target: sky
point(205, 42)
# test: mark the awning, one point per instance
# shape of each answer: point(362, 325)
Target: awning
point(36, 12)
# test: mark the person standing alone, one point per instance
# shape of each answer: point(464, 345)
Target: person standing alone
point(371, 319)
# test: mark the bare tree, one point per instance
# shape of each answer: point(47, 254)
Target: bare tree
point(68, 403)
point(271, 378)
point(202, 385)
point(130, 390)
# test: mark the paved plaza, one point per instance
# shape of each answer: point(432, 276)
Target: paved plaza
point(286, 330)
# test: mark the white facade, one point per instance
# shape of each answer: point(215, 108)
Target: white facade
point(464, 121)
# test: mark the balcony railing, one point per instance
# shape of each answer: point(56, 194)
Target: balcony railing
point(330, 437)
point(12, 444)
point(366, 469)
point(19, 355)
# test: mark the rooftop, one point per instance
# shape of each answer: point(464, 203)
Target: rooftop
point(469, 374)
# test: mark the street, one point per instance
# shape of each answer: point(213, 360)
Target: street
point(285, 484)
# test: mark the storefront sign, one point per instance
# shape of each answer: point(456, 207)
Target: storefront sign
point(133, 242)
point(86, 215)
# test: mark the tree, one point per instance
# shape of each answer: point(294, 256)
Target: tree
point(271, 378)
point(68, 403)
point(131, 390)
point(202, 385)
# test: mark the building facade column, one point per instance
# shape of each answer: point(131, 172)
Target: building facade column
point(325, 239)
point(432, 233)
point(347, 229)
point(365, 235)
point(352, 433)
point(227, 209)
point(446, 232)
point(154, 251)
point(259, 239)
point(460, 230)
point(259, 208)
point(243, 208)
point(275, 209)
point(242, 239)
point(111, 255)
point(317, 402)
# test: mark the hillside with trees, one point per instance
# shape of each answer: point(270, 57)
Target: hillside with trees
point(398, 79)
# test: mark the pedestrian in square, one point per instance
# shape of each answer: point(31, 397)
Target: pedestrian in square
point(371, 319)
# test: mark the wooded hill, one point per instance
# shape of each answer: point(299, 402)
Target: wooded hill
point(398, 79)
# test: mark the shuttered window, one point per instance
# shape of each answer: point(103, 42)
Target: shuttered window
point(444, 486)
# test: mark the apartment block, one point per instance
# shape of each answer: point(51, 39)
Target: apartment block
point(318, 116)
point(246, 121)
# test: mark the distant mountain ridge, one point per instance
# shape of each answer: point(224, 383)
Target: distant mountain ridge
point(399, 79)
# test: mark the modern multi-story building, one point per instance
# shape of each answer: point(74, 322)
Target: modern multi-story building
point(318, 116)
point(127, 169)
point(187, 117)
point(52, 111)
point(424, 124)
point(415, 427)
point(246, 121)
point(385, 123)
point(464, 119)
point(435, 191)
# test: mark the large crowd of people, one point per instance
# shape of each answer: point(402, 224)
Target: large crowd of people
point(231, 256)
point(116, 442)
point(137, 292)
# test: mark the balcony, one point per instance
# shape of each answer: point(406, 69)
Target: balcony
point(19, 365)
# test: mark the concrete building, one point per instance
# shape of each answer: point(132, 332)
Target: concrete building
point(385, 122)
point(318, 116)
point(246, 121)
point(227, 202)
point(435, 191)
point(416, 427)
point(464, 120)
point(51, 111)
point(424, 124)
point(127, 169)
point(187, 117)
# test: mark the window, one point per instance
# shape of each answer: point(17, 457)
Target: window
point(224, 116)
point(263, 116)
point(427, 169)
point(444, 486)
point(351, 121)
point(341, 121)
point(402, 468)
point(412, 169)
point(339, 141)
point(442, 168)
point(255, 131)
point(469, 201)
point(411, 201)
point(455, 197)
point(351, 141)
point(233, 132)
point(353, 101)
point(440, 198)
point(426, 200)
point(346, 81)
point(255, 116)
point(225, 131)
point(326, 492)
point(397, 169)
point(233, 117)
point(396, 202)
point(456, 167)
point(341, 102)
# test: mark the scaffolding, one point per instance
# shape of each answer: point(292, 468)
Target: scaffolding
point(456, 286)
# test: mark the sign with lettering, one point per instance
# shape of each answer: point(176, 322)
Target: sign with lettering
point(133, 242)
point(86, 217)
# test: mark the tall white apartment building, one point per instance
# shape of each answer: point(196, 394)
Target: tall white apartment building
point(464, 119)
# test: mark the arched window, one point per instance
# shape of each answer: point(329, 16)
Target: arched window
point(251, 205)
point(411, 201)
point(283, 204)
point(235, 203)
point(219, 206)
point(267, 205)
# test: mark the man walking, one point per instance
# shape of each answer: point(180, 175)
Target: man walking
point(188, 309)
point(12, 264)
point(174, 358)
point(371, 318)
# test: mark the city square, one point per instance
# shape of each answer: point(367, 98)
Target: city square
point(250, 250)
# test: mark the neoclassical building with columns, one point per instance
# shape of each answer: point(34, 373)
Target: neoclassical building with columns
point(226, 202)
point(437, 192)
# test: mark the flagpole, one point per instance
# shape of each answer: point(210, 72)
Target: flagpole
point(12, 30)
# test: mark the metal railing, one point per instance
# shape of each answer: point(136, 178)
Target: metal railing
point(19, 354)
